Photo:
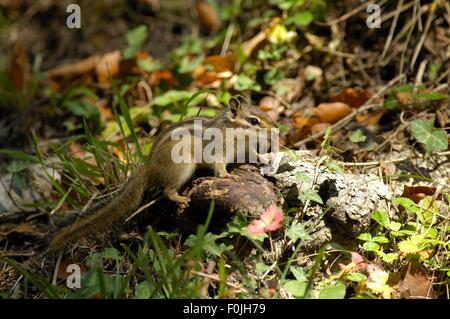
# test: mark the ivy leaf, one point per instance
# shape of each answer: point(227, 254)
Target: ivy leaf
point(336, 291)
point(356, 277)
point(296, 232)
point(299, 273)
point(358, 137)
point(434, 139)
point(296, 288)
point(302, 19)
point(381, 218)
point(209, 244)
point(310, 194)
point(365, 237)
point(135, 39)
point(244, 82)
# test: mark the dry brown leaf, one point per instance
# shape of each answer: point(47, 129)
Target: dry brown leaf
point(74, 69)
point(220, 63)
point(18, 72)
point(371, 118)
point(403, 98)
point(332, 112)
point(416, 193)
point(354, 97)
point(209, 19)
point(108, 66)
point(10, 3)
point(415, 283)
point(250, 46)
point(162, 75)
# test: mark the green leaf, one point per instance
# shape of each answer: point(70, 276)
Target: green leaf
point(433, 70)
point(395, 226)
point(371, 246)
point(365, 237)
point(380, 239)
point(296, 232)
point(17, 166)
point(427, 97)
point(388, 258)
point(188, 65)
point(334, 167)
point(356, 277)
point(299, 273)
point(302, 19)
point(175, 96)
point(336, 291)
point(381, 217)
point(434, 139)
point(244, 82)
point(135, 39)
point(296, 288)
point(310, 194)
point(209, 244)
point(410, 245)
point(261, 268)
point(358, 136)
point(149, 64)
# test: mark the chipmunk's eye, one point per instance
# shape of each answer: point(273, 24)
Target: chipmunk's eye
point(253, 120)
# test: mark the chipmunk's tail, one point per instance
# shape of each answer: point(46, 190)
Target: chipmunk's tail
point(102, 217)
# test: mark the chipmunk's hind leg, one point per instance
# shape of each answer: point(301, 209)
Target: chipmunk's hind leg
point(172, 186)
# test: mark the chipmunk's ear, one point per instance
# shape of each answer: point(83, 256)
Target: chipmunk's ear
point(234, 105)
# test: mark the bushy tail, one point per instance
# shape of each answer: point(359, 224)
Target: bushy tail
point(101, 218)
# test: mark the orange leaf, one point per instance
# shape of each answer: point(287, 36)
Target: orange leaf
point(332, 112)
point(415, 283)
point(208, 16)
point(108, 65)
point(416, 193)
point(19, 66)
point(74, 69)
point(370, 119)
point(352, 97)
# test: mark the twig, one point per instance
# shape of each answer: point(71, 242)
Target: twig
point(396, 160)
point(226, 42)
point(367, 106)
point(55, 272)
point(424, 34)
point(143, 208)
point(392, 29)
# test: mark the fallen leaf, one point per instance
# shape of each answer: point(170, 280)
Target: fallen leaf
point(370, 118)
point(416, 193)
point(415, 283)
point(162, 75)
point(18, 72)
point(404, 98)
point(353, 97)
point(74, 69)
point(209, 19)
point(221, 63)
point(312, 72)
point(332, 112)
point(108, 66)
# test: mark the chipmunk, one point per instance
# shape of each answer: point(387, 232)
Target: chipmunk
point(160, 170)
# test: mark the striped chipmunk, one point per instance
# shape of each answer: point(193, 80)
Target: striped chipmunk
point(238, 134)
